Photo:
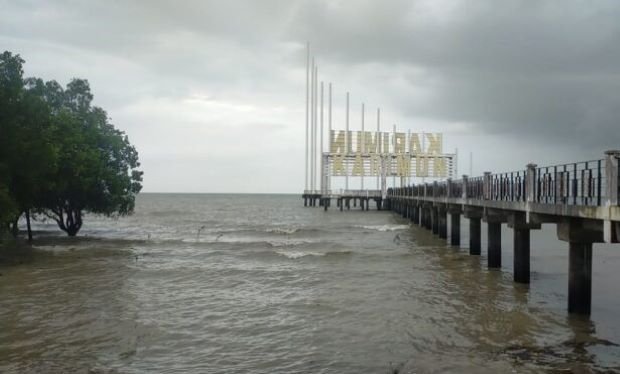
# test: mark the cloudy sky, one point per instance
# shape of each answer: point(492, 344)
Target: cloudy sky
point(212, 93)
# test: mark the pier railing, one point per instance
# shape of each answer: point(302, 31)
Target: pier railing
point(584, 183)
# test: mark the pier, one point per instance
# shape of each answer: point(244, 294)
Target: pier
point(581, 199)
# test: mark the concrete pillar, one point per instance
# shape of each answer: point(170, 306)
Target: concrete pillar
point(580, 278)
point(521, 255)
point(611, 231)
point(464, 187)
point(487, 185)
point(474, 236)
point(429, 218)
point(530, 183)
point(612, 177)
point(443, 223)
point(495, 244)
point(455, 229)
point(305, 201)
point(435, 220)
point(416, 215)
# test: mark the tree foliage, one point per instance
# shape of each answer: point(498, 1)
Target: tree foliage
point(59, 155)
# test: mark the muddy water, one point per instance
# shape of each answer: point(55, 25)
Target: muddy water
point(239, 284)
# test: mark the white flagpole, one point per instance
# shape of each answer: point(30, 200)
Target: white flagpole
point(312, 115)
point(321, 144)
point(316, 121)
point(329, 136)
point(307, 107)
point(347, 146)
point(361, 146)
point(378, 140)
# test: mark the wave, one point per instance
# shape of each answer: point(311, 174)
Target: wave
point(270, 230)
point(299, 254)
point(384, 228)
point(288, 242)
point(282, 230)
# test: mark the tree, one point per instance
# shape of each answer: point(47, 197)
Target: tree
point(96, 165)
point(26, 154)
point(59, 155)
point(11, 87)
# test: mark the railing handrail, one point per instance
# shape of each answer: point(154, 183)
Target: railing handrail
point(574, 184)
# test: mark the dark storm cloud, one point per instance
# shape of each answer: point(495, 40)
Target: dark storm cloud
point(193, 81)
point(532, 69)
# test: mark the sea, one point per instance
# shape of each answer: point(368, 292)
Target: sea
point(216, 283)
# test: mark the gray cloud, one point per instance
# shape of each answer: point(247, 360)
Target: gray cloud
point(541, 70)
point(217, 87)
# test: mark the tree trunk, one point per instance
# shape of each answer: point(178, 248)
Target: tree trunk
point(28, 225)
point(69, 220)
point(14, 228)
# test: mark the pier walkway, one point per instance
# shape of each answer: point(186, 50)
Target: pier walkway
point(581, 199)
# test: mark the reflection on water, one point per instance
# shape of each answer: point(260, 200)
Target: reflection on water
point(269, 286)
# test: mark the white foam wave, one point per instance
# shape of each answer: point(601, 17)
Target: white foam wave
point(284, 242)
point(290, 242)
point(297, 254)
point(385, 227)
point(282, 230)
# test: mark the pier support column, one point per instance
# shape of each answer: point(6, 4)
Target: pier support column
point(435, 220)
point(455, 228)
point(416, 214)
point(580, 278)
point(521, 229)
point(495, 244)
point(474, 236)
point(521, 255)
point(429, 218)
point(443, 223)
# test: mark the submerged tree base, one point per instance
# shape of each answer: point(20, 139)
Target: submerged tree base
point(69, 220)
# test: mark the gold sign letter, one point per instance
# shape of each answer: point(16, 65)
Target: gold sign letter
point(403, 165)
point(434, 144)
point(399, 142)
point(337, 142)
point(415, 147)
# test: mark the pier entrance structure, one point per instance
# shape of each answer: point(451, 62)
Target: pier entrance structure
point(359, 166)
point(375, 157)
